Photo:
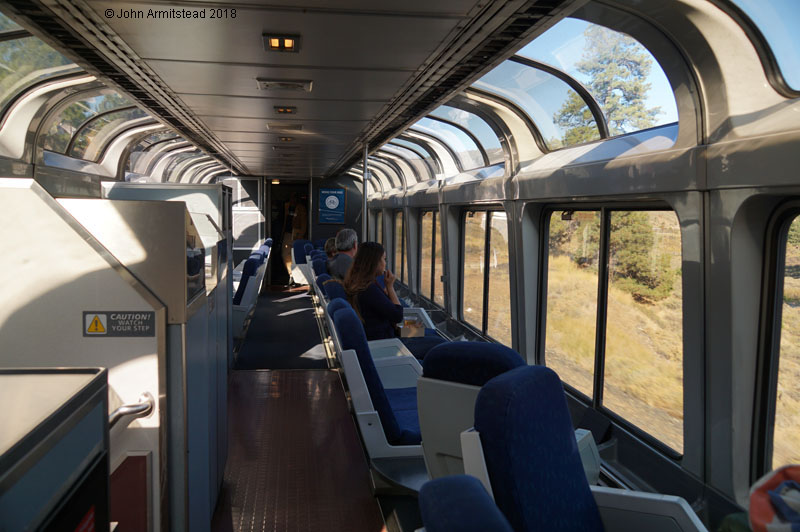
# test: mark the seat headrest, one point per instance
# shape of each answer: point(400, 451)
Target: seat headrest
point(335, 305)
point(268, 242)
point(308, 247)
point(320, 266)
point(298, 246)
point(472, 363)
point(334, 288)
point(531, 453)
point(320, 282)
point(459, 502)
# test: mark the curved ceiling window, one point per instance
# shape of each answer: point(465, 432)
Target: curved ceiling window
point(475, 125)
point(778, 20)
point(620, 74)
point(468, 152)
point(25, 62)
point(413, 158)
point(562, 116)
point(89, 141)
point(447, 157)
point(71, 118)
point(423, 152)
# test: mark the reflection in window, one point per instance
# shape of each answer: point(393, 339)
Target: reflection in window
point(572, 276)
point(95, 134)
point(438, 270)
point(643, 380)
point(473, 273)
point(71, 118)
point(464, 147)
point(621, 75)
point(498, 323)
point(426, 254)
point(399, 255)
point(475, 125)
point(787, 407)
point(26, 62)
point(778, 21)
point(562, 117)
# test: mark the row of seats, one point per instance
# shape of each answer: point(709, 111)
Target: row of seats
point(478, 408)
point(248, 280)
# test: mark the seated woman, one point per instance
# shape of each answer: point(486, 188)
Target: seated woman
point(380, 310)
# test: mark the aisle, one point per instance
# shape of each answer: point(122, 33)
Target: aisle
point(295, 462)
point(283, 334)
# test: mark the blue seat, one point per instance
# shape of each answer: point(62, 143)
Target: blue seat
point(320, 243)
point(531, 453)
point(396, 408)
point(335, 305)
point(248, 271)
point(473, 363)
point(321, 279)
point(421, 345)
point(320, 266)
point(298, 248)
point(268, 242)
point(308, 247)
point(334, 288)
point(459, 503)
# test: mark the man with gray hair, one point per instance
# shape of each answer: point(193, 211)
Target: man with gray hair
point(346, 246)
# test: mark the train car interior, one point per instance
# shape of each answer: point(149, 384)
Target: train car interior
point(400, 266)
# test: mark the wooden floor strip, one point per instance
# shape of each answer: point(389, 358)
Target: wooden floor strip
point(295, 462)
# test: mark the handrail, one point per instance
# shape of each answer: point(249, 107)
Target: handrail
point(143, 408)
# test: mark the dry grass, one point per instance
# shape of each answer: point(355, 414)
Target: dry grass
point(787, 415)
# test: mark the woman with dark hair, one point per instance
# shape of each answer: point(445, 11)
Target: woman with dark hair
point(379, 309)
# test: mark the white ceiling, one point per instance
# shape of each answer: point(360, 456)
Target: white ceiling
point(359, 54)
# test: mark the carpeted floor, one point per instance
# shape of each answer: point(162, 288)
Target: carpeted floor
point(283, 334)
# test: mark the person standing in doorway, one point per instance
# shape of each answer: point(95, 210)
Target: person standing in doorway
point(295, 225)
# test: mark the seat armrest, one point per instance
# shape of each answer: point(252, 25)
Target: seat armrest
point(630, 511)
point(388, 347)
point(399, 372)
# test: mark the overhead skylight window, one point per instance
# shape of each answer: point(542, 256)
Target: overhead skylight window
point(468, 152)
point(621, 74)
point(475, 125)
point(778, 21)
point(560, 114)
point(71, 118)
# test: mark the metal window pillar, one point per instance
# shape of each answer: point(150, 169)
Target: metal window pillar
point(364, 195)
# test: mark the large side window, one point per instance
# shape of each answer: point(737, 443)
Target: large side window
point(438, 269)
point(485, 302)
point(379, 226)
point(613, 325)
point(399, 255)
point(786, 428)
point(426, 254)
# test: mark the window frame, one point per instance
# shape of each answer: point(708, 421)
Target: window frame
point(436, 216)
point(596, 400)
point(770, 327)
point(401, 269)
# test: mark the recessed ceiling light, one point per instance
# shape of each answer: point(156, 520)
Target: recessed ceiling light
point(276, 182)
point(302, 85)
point(281, 43)
point(286, 139)
point(285, 109)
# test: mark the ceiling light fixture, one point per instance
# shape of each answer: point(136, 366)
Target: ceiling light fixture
point(281, 43)
point(284, 126)
point(285, 109)
point(286, 139)
point(276, 182)
point(301, 85)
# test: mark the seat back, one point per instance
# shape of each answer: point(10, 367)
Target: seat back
point(453, 373)
point(249, 271)
point(321, 280)
point(334, 288)
point(320, 243)
point(268, 242)
point(459, 502)
point(320, 266)
point(351, 334)
point(299, 252)
point(330, 310)
point(531, 453)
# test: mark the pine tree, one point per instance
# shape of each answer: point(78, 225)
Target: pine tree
point(617, 67)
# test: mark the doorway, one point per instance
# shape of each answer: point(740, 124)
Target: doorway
point(288, 215)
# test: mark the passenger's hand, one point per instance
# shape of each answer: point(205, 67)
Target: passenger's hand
point(389, 278)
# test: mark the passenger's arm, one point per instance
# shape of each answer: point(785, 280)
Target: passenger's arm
point(379, 304)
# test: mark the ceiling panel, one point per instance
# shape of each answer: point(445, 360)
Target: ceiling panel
point(265, 107)
point(327, 38)
point(237, 138)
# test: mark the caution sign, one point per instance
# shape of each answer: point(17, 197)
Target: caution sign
point(116, 324)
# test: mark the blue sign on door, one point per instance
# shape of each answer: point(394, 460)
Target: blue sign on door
point(331, 205)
